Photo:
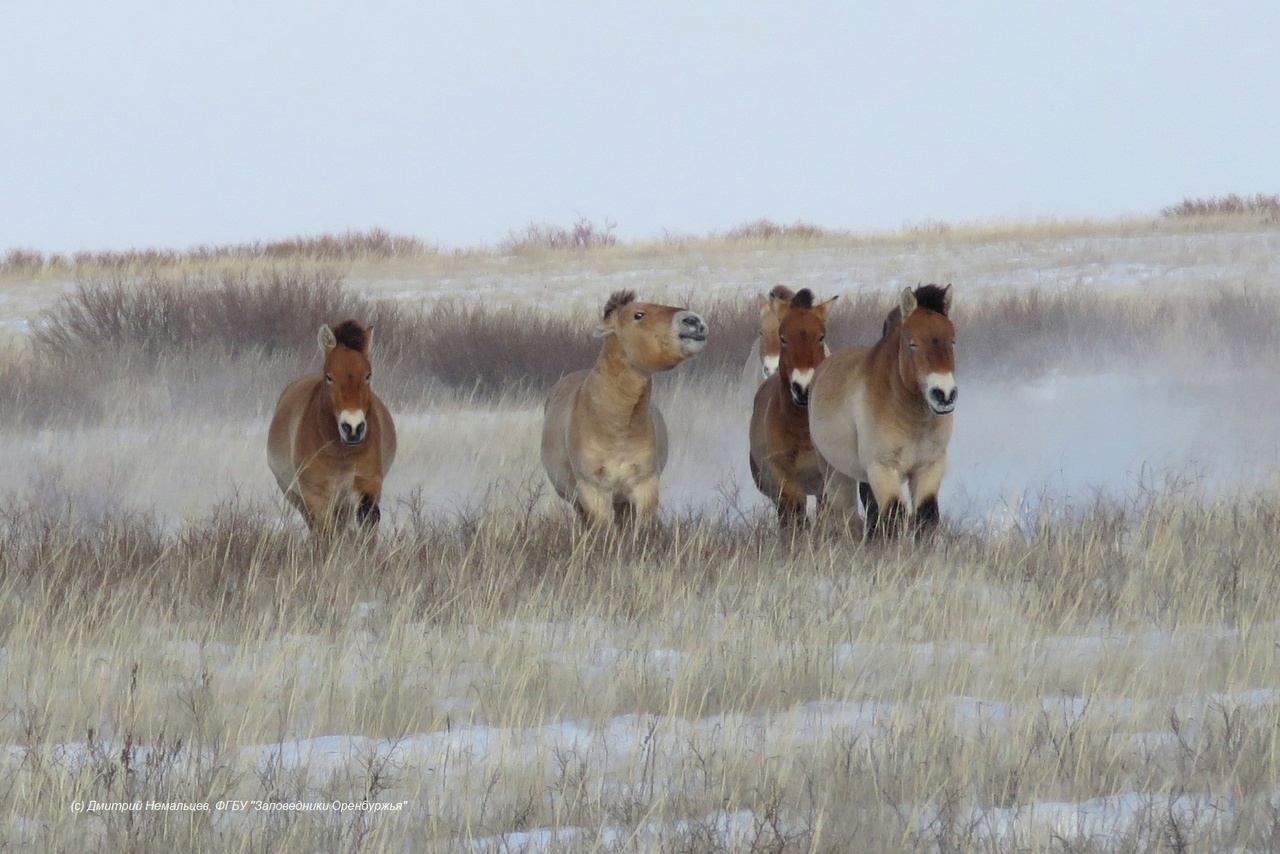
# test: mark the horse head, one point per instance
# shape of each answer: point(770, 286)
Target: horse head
point(927, 345)
point(346, 376)
point(802, 331)
point(652, 337)
point(770, 346)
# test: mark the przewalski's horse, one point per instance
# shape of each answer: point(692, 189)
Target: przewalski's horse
point(882, 415)
point(784, 464)
point(331, 440)
point(766, 350)
point(604, 443)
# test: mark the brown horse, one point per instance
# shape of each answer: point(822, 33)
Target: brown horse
point(604, 442)
point(882, 415)
point(784, 464)
point(331, 440)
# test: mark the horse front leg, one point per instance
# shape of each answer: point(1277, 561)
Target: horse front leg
point(644, 501)
point(368, 500)
point(886, 517)
point(595, 508)
point(925, 483)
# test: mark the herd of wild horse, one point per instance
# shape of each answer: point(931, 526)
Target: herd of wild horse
point(850, 428)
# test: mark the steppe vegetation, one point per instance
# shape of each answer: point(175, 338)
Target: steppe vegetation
point(1099, 676)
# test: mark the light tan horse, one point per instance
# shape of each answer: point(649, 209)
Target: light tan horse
point(784, 463)
point(604, 443)
point(882, 415)
point(332, 441)
point(766, 350)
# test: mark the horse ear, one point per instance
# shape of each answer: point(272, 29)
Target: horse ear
point(368, 340)
point(606, 327)
point(326, 339)
point(946, 300)
point(907, 303)
point(822, 308)
point(764, 303)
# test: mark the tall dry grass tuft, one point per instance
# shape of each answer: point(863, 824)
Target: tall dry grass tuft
point(766, 230)
point(354, 245)
point(1260, 205)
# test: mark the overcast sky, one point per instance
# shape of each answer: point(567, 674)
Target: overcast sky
point(135, 124)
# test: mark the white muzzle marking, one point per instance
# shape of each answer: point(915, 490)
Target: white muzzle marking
point(769, 365)
point(940, 391)
point(351, 425)
point(802, 379)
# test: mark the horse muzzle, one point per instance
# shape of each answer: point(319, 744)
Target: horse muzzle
point(799, 385)
point(942, 400)
point(692, 331)
point(352, 427)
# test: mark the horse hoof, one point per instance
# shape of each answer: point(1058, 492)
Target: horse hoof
point(368, 512)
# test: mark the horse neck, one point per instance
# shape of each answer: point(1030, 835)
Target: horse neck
point(908, 400)
point(618, 392)
point(791, 413)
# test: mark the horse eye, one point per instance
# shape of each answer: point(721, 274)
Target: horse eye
point(328, 378)
point(782, 340)
point(821, 338)
point(639, 315)
point(368, 376)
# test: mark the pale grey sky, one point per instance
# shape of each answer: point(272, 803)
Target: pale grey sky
point(172, 124)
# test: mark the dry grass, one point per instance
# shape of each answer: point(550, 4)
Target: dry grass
point(704, 687)
point(1258, 206)
point(1094, 678)
point(356, 249)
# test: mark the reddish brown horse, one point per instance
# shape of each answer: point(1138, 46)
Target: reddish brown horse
point(331, 440)
point(784, 463)
point(604, 443)
point(882, 415)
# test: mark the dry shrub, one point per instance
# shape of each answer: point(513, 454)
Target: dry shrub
point(162, 317)
point(583, 234)
point(137, 326)
point(764, 230)
point(1258, 205)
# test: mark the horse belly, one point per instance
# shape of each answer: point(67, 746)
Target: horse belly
point(806, 471)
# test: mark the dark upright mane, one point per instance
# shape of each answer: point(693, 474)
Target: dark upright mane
point(932, 297)
point(782, 292)
point(802, 299)
point(352, 335)
point(617, 300)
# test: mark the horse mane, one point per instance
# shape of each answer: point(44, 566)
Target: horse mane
point(617, 300)
point(932, 297)
point(802, 299)
point(352, 335)
point(782, 292)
